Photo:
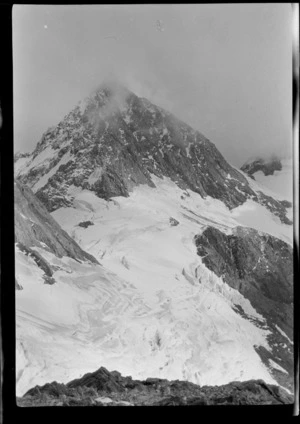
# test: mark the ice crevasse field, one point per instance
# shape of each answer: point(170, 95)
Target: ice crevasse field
point(151, 308)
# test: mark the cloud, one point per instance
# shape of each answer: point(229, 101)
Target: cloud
point(223, 69)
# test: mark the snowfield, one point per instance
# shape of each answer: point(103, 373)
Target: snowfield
point(151, 309)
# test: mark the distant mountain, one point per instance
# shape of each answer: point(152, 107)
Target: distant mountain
point(114, 140)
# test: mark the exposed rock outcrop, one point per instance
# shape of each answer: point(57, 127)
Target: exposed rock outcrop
point(260, 267)
point(268, 167)
point(104, 388)
point(85, 224)
point(35, 227)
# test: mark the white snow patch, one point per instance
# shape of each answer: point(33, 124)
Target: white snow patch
point(276, 366)
point(104, 400)
point(127, 119)
point(187, 149)
point(254, 215)
point(20, 164)
point(45, 178)
point(66, 143)
point(283, 334)
point(95, 175)
point(46, 155)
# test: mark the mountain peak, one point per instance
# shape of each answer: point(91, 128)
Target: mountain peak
point(112, 85)
point(115, 140)
point(108, 97)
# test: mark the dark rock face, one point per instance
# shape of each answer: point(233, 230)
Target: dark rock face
point(153, 391)
point(21, 155)
point(35, 227)
point(37, 257)
point(173, 222)
point(117, 141)
point(260, 267)
point(85, 224)
point(277, 207)
point(267, 167)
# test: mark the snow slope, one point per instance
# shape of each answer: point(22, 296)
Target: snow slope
point(279, 186)
point(152, 310)
point(181, 330)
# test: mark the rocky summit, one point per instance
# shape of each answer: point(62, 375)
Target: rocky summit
point(104, 388)
point(115, 140)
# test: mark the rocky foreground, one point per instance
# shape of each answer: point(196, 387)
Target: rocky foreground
point(104, 388)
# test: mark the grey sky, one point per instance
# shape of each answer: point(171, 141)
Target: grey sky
point(224, 69)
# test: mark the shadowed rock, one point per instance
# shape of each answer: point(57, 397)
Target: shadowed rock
point(35, 227)
point(268, 167)
point(104, 388)
point(260, 267)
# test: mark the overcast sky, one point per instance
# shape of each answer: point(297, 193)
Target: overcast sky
point(224, 69)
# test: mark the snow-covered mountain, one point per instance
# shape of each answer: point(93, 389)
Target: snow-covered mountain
point(114, 140)
point(195, 281)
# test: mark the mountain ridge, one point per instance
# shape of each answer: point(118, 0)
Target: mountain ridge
point(105, 388)
point(35, 227)
point(115, 140)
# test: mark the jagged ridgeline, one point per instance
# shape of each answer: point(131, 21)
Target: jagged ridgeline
point(35, 227)
point(115, 140)
point(104, 388)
